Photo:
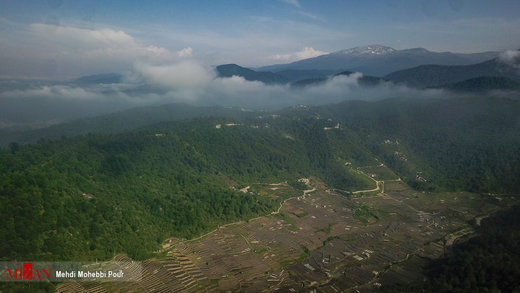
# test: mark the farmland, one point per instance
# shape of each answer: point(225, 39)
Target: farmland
point(319, 239)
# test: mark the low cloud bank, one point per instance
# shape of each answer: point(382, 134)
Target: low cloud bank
point(186, 81)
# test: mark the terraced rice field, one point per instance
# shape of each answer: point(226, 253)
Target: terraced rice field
point(319, 240)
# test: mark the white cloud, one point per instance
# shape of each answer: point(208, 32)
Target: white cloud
point(78, 51)
point(192, 82)
point(309, 15)
point(184, 81)
point(156, 51)
point(184, 74)
point(100, 43)
point(309, 52)
point(186, 52)
point(79, 37)
point(305, 53)
point(509, 57)
point(295, 3)
point(77, 48)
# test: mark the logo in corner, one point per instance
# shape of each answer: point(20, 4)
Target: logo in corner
point(27, 272)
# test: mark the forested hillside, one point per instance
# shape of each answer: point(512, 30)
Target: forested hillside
point(489, 262)
point(447, 144)
point(484, 84)
point(118, 122)
point(97, 195)
point(436, 75)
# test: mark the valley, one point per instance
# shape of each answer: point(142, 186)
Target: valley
point(341, 197)
point(319, 239)
point(259, 146)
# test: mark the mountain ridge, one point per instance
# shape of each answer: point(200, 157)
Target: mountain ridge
point(230, 70)
point(437, 75)
point(379, 60)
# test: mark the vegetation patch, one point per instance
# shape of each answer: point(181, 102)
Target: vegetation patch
point(287, 220)
point(300, 213)
point(380, 172)
point(365, 215)
point(326, 230)
point(304, 255)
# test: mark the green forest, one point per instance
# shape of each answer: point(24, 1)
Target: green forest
point(489, 262)
point(95, 196)
point(92, 196)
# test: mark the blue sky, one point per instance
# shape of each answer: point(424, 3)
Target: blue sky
point(62, 39)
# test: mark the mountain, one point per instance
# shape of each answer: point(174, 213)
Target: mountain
point(484, 84)
point(437, 75)
point(107, 78)
point(308, 82)
point(380, 60)
point(364, 81)
point(229, 70)
point(119, 122)
point(295, 75)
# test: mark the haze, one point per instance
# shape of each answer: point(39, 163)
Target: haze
point(167, 51)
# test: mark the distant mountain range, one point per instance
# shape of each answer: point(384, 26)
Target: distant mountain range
point(483, 84)
point(364, 81)
point(295, 75)
point(487, 75)
point(379, 60)
point(437, 75)
point(297, 78)
point(481, 77)
point(229, 70)
point(106, 78)
point(414, 67)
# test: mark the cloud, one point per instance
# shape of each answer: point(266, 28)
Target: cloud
point(176, 76)
point(83, 37)
point(305, 53)
point(510, 57)
point(100, 43)
point(72, 51)
point(187, 81)
point(309, 15)
point(294, 3)
point(49, 104)
point(76, 48)
point(186, 52)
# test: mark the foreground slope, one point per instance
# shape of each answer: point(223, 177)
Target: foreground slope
point(102, 195)
point(182, 178)
point(96, 195)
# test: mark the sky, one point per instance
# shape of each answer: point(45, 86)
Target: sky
point(60, 39)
